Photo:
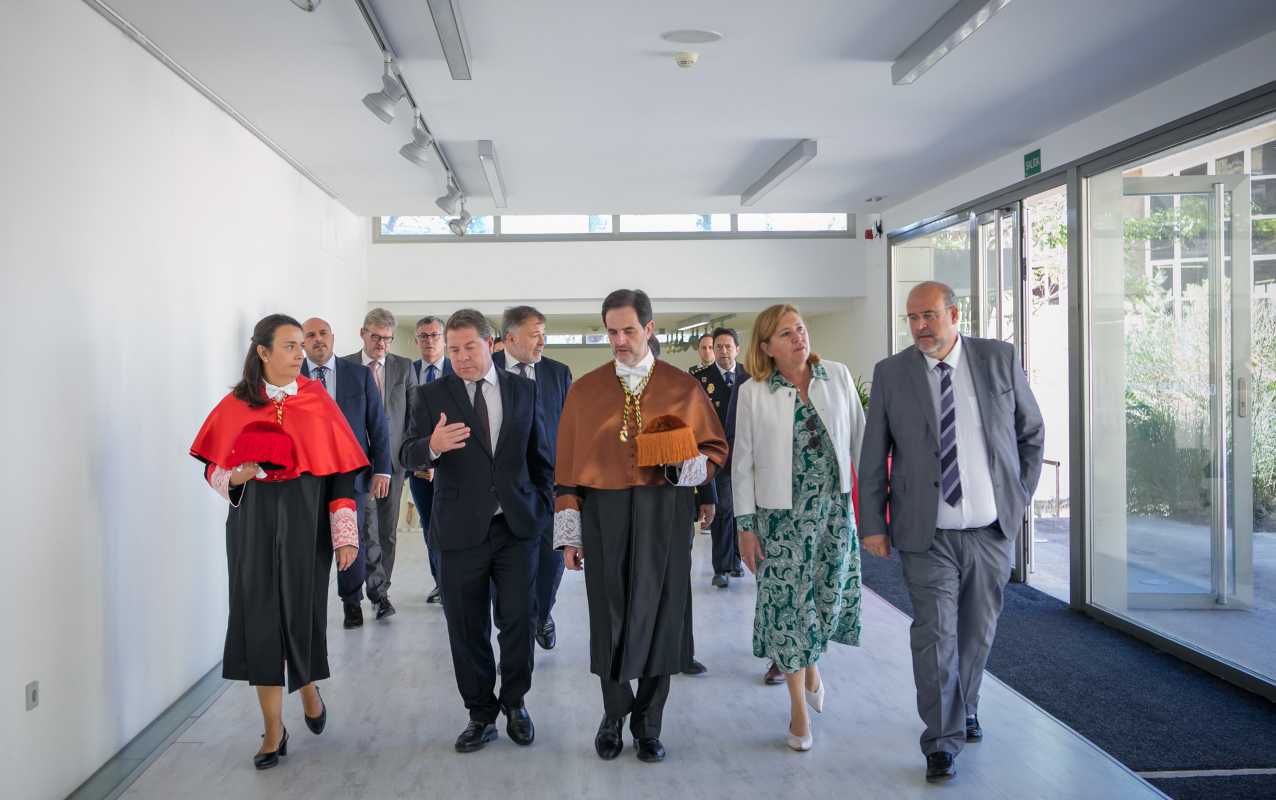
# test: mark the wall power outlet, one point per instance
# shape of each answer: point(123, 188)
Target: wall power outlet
point(33, 694)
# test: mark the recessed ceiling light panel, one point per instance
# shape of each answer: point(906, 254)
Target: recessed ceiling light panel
point(690, 36)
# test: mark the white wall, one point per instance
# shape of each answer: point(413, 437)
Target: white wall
point(1224, 76)
point(144, 232)
point(573, 277)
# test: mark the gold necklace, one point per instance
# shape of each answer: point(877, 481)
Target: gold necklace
point(633, 402)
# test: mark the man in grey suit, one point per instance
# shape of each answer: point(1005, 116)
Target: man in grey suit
point(963, 435)
point(395, 380)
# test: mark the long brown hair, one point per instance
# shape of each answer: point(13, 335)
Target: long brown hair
point(250, 388)
point(758, 363)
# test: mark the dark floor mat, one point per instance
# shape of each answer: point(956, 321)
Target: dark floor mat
point(1237, 787)
point(1147, 708)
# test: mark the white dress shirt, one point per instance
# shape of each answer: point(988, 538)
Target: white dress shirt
point(511, 365)
point(978, 505)
point(367, 359)
point(725, 372)
point(491, 394)
point(635, 374)
point(425, 369)
point(329, 377)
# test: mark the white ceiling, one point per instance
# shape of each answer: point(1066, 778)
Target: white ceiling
point(590, 114)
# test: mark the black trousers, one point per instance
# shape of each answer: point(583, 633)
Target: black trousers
point(549, 574)
point(501, 569)
point(423, 496)
point(350, 581)
point(726, 555)
point(647, 707)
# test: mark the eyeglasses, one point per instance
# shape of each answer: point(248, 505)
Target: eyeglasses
point(378, 339)
point(428, 337)
point(928, 316)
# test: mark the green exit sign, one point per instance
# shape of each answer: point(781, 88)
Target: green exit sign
point(1031, 163)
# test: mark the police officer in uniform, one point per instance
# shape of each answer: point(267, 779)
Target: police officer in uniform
point(719, 380)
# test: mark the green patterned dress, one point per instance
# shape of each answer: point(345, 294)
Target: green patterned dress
point(809, 578)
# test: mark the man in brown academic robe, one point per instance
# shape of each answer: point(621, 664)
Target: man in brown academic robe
point(627, 525)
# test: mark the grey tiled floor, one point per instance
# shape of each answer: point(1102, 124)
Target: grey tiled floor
point(394, 712)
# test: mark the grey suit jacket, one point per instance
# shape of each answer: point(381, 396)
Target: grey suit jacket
point(399, 382)
point(902, 427)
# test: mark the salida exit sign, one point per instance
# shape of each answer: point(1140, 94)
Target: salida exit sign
point(1031, 163)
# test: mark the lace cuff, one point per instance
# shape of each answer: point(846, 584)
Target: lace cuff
point(694, 471)
point(219, 479)
point(345, 526)
point(747, 522)
point(567, 529)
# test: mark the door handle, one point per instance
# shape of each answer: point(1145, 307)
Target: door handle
point(1242, 397)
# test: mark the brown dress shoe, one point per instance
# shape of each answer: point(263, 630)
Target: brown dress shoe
point(774, 676)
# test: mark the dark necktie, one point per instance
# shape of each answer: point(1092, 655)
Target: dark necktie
point(951, 481)
point(480, 412)
point(431, 374)
point(729, 377)
point(522, 369)
point(322, 374)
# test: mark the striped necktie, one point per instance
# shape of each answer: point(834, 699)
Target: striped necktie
point(951, 481)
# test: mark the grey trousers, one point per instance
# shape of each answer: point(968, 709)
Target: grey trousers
point(380, 536)
point(957, 589)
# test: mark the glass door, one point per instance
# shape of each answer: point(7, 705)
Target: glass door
point(1172, 504)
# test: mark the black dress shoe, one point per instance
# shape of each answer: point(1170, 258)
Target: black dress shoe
point(650, 750)
point(354, 616)
point(384, 608)
point(434, 596)
point(608, 743)
point(720, 581)
point(475, 736)
point(973, 732)
point(316, 724)
point(736, 573)
point(695, 668)
point(518, 724)
point(271, 759)
point(547, 634)
point(940, 767)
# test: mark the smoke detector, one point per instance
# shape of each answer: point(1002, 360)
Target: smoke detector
point(686, 59)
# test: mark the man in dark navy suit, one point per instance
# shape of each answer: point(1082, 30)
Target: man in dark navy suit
point(431, 366)
point(352, 386)
point(482, 431)
point(720, 379)
point(524, 336)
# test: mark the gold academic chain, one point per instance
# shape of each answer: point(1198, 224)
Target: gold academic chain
point(633, 401)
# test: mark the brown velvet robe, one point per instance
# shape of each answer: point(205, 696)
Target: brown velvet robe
point(635, 524)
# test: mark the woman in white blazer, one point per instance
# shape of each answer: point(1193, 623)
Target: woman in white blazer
point(798, 429)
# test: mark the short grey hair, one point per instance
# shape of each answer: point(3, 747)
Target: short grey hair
point(516, 316)
point(470, 318)
point(429, 319)
point(950, 297)
point(378, 318)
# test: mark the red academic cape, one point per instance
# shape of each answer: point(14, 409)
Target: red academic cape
point(323, 443)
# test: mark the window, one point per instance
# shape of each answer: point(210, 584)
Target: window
point(792, 222)
point(675, 223)
point(521, 227)
point(521, 224)
point(431, 226)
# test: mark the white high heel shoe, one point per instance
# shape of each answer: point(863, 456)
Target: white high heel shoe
point(800, 743)
point(815, 699)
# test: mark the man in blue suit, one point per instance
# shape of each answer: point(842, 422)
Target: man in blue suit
point(524, 336)
point(431, 366)
point(481, 430)
point(352, 386)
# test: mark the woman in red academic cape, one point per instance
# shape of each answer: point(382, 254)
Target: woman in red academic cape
point(280, 451)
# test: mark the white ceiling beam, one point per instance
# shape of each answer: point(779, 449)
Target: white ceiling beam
point(788, 164)
point(955, 27)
